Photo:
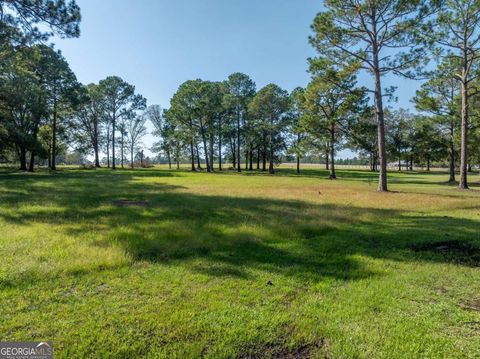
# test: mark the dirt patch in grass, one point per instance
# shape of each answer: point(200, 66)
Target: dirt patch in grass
point(278, 351)
point(128, 203)
point(459, 252)
point(472, 305)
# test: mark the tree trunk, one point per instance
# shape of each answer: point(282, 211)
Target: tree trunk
point(233, 149)
point(246, 157)
point(113, 142)
point(333, 175)
point(31, 166)
point(49, 158)
point(169, 160)
point(298, 156)
point(108, 148)
point(199, 164)
point(32, 162)
point(220, 152)
point(258, 158)
point(250, 166)
point(122, 150)
point(131, 156)
point(54, 137)
point(212, 155)
point(382, 153)
point(239, 160)
point(95, 144)
point(264, 154)
point(271, 169)
point(205, 149)
point(451, 153)
point(428, 163)
point(327, 157)
point(23, 159)
point(464, 129)
point(192, 155)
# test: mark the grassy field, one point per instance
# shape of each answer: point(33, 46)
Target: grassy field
point(240, 265)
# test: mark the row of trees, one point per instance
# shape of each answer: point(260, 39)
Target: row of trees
point(211, 122)
point(375, 37)
point(230, 119)
point(44, 109)
point(35, 82)
point(382, 37)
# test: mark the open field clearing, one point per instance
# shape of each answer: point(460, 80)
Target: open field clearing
point(159, 263)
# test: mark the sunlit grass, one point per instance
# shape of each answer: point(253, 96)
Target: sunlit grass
point(239, 265)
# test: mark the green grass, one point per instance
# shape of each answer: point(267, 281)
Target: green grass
point(250, 265)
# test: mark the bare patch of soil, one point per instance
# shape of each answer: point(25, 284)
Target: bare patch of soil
point(274, 351)
point(472, 305)
point(457, 251)
point(128, 203)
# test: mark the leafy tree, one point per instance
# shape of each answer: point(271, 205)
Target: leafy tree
point(164, 129)
point(270, 106)
point(378, 36)
point(135, 131)
point(154, 114)
point(297, 111)
point(362, 136)
point(219, 114)
point(399, 123)
point(196, 109)
point(89, 121)
point(439, 96)
point(23, 104)
point(19, 19)
point(332, 99)
point(223, 114)
point(61, 89)
point(240, 92)
point(119, 101)
point(181, 116)
point(210, 112)
point(458, 32)
point(122, 138)
point(428, 141)
point(172, 139)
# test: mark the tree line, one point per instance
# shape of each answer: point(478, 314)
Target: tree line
point(231, 124)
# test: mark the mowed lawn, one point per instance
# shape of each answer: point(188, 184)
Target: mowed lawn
point(247, 265)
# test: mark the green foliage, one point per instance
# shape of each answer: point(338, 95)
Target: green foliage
point(269, 108)
point(20, 19)
point(378, 37)
point(354, 33)
point(299, 145)
point(429, 143)
point(89, 121)
point(119, 102)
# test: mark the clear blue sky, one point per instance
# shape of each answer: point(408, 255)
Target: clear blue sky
point(158, 44)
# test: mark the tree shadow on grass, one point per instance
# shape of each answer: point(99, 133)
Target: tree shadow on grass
point(359, 175)
point(235, 237)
